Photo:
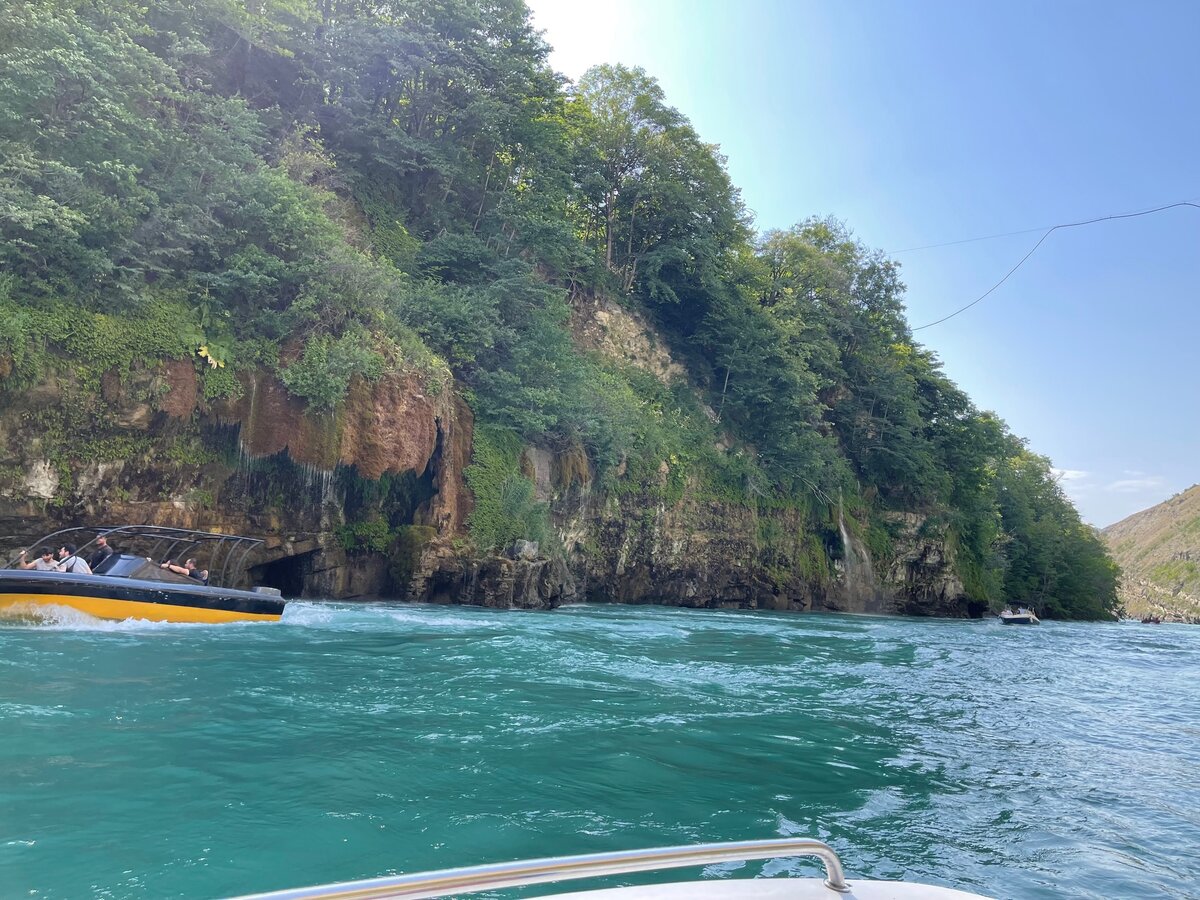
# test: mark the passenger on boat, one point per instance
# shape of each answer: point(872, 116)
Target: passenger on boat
point(103, 552)
point(69, 562)
point(44, 563)
point(188, 568)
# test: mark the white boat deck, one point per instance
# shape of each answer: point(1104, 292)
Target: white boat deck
point(773, 889)
point(456, 882)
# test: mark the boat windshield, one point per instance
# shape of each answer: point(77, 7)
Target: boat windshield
point(223, 555)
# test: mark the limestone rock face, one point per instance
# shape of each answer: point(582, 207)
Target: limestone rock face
point(272, 421)
point(691, 554)
point(921, 577)
point(518, 583)
point(620, 333)
point(493, 581)
point(41, 480)
point(387, 426)
point(182, 389)
point(636, 549)
point(149, 449)
point(323, 490)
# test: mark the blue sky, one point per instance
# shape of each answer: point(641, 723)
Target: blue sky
point(924, 122)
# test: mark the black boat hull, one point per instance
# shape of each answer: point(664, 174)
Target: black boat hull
point(32, 593)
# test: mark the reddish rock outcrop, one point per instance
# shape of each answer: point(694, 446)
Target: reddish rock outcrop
point(389, 426)
point(452, 504)
point(286, 481)
point(386, 426)
point(183, 388)
point(272, 420)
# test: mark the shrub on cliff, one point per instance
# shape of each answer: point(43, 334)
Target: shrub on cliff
point(506, 509)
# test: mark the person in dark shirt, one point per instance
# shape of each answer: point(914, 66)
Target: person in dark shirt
point(103, 552)
point(188, 568)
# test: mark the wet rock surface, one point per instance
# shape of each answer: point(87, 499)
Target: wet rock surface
point(151, 450)
point(265, 465)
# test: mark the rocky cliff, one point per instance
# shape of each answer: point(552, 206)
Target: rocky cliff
point(705, 553)
point(618, 546)
point(371, 502)
point(1158, 550)
point(339, 500)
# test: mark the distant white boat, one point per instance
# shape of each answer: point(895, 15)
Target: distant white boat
point(453, 882)
point(1022, 616)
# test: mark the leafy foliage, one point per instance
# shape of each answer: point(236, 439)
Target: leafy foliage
point(505, 507)
point(1053, 560)
point(322, 374)
point(372, 535)
point(370, 186)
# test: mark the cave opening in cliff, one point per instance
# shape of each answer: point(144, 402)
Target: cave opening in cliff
point(288, 575)
point(976, 608)
point(332, 519)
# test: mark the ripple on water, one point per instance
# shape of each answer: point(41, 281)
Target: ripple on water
point(355, 739)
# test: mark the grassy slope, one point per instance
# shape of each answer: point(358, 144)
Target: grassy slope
point(1158, 550)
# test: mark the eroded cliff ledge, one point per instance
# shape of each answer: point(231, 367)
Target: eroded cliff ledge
point(342, 501)
point(709, 554)
point(372, 502)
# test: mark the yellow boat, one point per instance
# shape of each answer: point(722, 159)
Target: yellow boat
point(132, 582)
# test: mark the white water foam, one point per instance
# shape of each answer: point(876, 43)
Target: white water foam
point(13, 710)
point(340, 616)
point(65, 618)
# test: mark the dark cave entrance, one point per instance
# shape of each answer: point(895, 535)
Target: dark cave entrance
point(976, 608)
point(323, 515)
point(397, 498)
point(289, 574)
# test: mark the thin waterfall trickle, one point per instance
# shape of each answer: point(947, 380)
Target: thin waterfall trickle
point(472, 582)
point(858, 568)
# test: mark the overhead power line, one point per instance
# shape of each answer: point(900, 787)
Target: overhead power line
point(1041, 240)
point(992, 237)
point(985, 237)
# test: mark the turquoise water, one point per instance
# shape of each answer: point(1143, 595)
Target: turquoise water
point(349, 741)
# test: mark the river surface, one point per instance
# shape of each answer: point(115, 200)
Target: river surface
point(350, 741)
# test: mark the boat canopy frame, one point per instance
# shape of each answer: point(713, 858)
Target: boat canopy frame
point(229, 551)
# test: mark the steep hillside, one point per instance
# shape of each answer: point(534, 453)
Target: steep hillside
point(384, 250)
point(1158, 550)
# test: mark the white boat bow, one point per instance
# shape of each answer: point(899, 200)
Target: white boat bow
point(454, 882)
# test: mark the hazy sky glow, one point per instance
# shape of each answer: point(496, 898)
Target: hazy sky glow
point(925, 122)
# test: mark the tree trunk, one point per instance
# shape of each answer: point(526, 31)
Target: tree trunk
point(721, 408)
point(483, 199)
point(610, 214)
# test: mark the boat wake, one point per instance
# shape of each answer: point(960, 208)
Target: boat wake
point(320, 615)
point(349, 616)
point(64, 618)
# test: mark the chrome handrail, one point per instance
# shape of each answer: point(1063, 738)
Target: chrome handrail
point(426, 885)
point(231, 544)
point(47, 541)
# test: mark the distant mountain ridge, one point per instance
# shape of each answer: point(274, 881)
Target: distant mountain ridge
point(1158, 550)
